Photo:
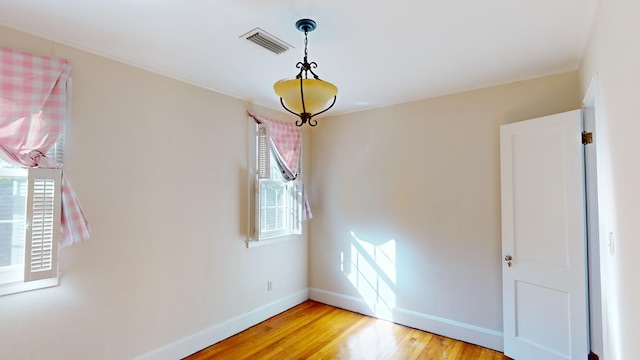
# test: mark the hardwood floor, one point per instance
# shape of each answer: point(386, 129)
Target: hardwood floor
point(317, 331)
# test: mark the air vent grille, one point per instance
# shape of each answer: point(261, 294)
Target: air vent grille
point(267, 41)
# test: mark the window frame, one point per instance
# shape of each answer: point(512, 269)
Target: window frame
point(260, 164)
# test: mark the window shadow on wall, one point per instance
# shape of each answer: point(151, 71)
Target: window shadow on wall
point(371, 269)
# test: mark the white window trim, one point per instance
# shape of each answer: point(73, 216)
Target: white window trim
point(253, 178)
point(21, 286)
point(11, 274)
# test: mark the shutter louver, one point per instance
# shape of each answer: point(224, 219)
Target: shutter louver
point(43, 224)
point(263, 164)
point(263, 152)
point(56, 152)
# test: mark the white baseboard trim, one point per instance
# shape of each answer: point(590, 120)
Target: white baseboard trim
point(453, 329)
point(193, 343)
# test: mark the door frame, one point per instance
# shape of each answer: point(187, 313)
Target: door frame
point(590, 106)
point(595, 248)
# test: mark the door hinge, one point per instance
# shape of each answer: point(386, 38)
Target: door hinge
point(587, 137)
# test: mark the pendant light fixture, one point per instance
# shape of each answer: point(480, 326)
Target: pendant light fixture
point(302, 96)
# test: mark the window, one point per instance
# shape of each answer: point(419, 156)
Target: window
point(30, 224)
point(29, 228)
point(30, 206)
point(275, 202)
point(39, 210)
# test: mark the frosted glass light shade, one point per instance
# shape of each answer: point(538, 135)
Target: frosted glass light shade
point(317, 94)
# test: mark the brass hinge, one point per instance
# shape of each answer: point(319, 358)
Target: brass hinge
point(587, 137)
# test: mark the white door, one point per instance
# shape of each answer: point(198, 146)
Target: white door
point(543, 239)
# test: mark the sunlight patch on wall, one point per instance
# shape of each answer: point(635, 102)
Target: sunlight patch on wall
point(371, 269)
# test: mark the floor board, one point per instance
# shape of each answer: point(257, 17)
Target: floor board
point(316, 331)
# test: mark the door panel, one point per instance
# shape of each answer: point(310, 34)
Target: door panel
point(543, 222)
point(529, 299)
point(536, 154)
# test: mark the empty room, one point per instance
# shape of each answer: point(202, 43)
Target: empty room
point(173, 174)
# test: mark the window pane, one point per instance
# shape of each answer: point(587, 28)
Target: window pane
point(274, 171)
point(4, 164)
point(12, 219)
point(274, 206)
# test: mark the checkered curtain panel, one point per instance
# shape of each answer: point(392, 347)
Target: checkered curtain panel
point(287, 139)
point(33, 104)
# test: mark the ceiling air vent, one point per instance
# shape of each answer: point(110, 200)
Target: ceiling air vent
point(267, 41)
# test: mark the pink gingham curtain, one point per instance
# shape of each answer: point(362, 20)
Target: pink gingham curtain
point(33, 104)
point(287, 139)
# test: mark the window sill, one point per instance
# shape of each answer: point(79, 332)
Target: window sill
point(251, 243)
point(17, 287)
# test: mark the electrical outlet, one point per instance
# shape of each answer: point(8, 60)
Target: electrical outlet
point(269, 285)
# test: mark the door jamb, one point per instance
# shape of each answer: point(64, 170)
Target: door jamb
point(590, 119)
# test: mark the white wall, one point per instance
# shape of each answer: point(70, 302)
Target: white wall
point(160, 169)
point(613, 56)
point(419, 182)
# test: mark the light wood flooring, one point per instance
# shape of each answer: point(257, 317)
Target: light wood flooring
point(316, 331)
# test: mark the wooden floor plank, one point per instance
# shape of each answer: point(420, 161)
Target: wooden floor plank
point(314, 331)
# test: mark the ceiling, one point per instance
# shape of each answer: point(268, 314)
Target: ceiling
point(377, 52)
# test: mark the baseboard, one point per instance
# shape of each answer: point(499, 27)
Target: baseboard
point(193, 343)
point(453, 329)
point(441, 326)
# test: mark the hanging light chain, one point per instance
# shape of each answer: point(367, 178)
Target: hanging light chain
point(306, 66)
point(306, 41)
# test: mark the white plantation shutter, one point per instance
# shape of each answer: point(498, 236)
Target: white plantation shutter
point(257, 214)
point(263, 166)
point(263, 152)
point(56, 152)
point(43, 224)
